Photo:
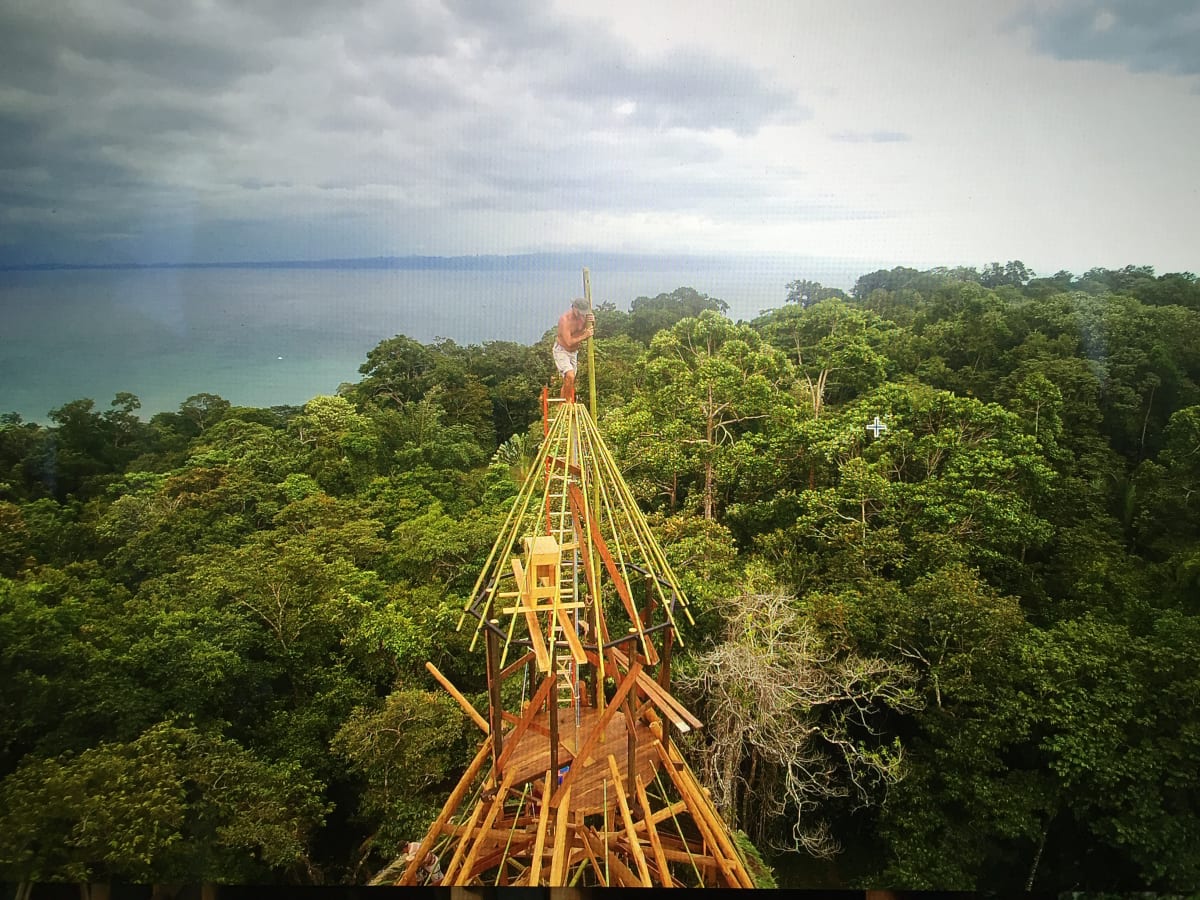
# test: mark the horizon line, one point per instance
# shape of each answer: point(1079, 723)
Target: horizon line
point(398, 261)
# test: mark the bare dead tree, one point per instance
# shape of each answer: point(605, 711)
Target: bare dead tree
point(791, 722)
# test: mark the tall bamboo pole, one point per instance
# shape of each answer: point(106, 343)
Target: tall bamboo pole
point(587, 295)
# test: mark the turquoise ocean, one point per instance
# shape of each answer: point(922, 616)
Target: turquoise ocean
point(271, 336)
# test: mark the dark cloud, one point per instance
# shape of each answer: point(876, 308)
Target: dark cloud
point(683, 90)
point(1142, 35)
point(132, 127)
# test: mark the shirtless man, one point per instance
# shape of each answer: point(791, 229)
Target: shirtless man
point(575, 326)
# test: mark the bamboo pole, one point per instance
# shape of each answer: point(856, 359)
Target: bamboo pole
point(587, 295)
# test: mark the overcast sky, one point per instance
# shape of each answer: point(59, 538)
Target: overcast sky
point(1063, 134)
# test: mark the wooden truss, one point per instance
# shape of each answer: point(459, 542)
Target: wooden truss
point(580, 784)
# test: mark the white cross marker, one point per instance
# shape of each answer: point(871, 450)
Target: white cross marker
point(876, 428)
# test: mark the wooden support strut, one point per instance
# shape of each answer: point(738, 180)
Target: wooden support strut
point(664, 870)
point(712, 829)
point(448, 810)
point(495, 710)
point(481, 836)
point(562, 826)
point(457, 695)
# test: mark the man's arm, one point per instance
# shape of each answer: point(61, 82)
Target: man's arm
point(570, 341)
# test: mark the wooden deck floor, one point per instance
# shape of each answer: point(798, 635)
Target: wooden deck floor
point(531, 758)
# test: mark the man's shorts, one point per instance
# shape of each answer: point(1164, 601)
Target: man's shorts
point(566, 362)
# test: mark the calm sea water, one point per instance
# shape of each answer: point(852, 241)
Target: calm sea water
point(262, 337)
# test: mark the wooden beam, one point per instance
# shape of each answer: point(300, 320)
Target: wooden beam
point(539, 844)
point(635, 846)
point(462, 701)
point(448, 810)
point(652, 832)
point(570, 604)
point(680, 717)
point(495, 709)
point(679, 714)
point(625, 876)
point(668, 811)
point(562, 826)
point(568, 630)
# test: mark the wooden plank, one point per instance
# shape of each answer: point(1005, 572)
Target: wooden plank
point(531, 712)
point(513, 610)
point(568, 631)
point(581, 759)
point(664, 871)
point(635, 846)
point(539, 844)
point(448, 810)
point(666, 702)
point(462, 701)
point(562, 826)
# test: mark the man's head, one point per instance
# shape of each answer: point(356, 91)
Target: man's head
point(579, 306)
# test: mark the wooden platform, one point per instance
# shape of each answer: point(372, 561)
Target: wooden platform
point(531, 758)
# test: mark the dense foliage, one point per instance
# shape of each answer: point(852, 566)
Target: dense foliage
point(966, 652)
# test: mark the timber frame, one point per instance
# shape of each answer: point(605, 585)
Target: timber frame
point(580, 784)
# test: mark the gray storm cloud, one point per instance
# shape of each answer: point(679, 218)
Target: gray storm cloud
point(159, 132)
point(1143, 35)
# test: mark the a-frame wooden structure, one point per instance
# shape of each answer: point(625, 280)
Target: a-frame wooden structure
point(577, 781)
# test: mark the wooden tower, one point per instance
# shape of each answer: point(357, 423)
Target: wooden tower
point(576, 781)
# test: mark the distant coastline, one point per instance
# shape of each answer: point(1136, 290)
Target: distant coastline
point(476, 263)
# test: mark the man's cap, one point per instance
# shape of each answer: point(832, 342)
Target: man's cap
point(580, 304)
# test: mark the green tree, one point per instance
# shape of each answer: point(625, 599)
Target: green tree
point(712, 385)
point(176, 804)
